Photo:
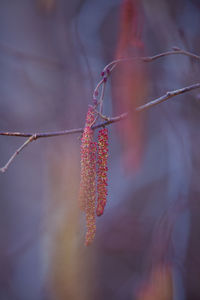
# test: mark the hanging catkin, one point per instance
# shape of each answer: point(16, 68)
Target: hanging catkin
point(88, 188)
point(102, 170)
point(86, 149)
point(88, 176)
point(90, 205)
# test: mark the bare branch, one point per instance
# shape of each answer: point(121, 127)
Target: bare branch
point(107, 121)
point(44, 134)
point(172, 52)
point(176, 51)
point(167, 96)
point(3, 169)
point(112, 65)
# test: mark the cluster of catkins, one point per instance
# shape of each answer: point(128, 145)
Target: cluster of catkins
point(93, 185)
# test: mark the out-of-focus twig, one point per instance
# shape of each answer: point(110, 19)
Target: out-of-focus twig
point(30, 57)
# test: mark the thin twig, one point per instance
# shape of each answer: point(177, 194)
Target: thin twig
point(96, 89)
point(62, 132)
point(107, 70)
point(103, 117)
point(35, 136)
point(25, 144)
point(110, 120)
point(151, 58)
point(102, 97)
point(113, 64)
point(167, 96)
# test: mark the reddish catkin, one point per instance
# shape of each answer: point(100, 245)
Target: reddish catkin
point(86, 157)
point(88, 176)
point(91, 197)
point(102, 170)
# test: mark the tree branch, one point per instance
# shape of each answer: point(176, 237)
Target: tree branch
point(167, 96)
point(30, 139)
point(35, 136)
point(109, 121)
point(175, 51)
point(106, 71)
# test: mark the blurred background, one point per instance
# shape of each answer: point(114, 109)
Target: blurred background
point(147, 242)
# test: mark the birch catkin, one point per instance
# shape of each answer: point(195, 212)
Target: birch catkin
point(86, 143)
point(88, 187)
point(90, 205)
point(102, 180)
point(88, 176)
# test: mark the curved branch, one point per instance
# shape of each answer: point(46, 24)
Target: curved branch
point(175, 51)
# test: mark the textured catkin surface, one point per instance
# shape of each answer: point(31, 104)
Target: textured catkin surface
point(86, 166)
point(87, 156)
point(90, 207)
point(102, 180)
point(93, 184)
point(87, 196)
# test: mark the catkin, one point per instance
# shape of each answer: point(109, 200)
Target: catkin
point(86, 149)
point(89, 188)
point(88, 176)
point(102, 180)
point(91, 199)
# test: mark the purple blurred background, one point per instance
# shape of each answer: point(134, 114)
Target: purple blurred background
point(51, 56)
